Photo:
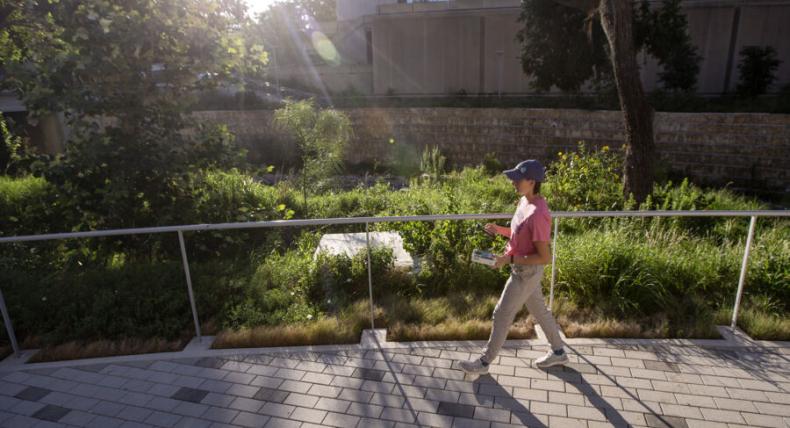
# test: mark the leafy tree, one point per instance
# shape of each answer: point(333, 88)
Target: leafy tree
point(125, 75)
point(321, 136)
point(117, 59)
point(617, 20)
point(10, 148)
point(665, 36)
point(286, 28)
point(560, 47)
point(17, 156)
point(563, 55)
point(756, 67)
point(320, 10)
point(564, 47)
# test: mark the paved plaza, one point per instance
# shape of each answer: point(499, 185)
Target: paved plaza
point(653, 383)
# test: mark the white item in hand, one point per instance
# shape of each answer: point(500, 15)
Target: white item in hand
point(483, 257)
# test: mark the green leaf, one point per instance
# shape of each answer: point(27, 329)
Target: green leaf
point(105, 24)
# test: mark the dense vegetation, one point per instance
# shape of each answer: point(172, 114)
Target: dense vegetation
point(621, 277)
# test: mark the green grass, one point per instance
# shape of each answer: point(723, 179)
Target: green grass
point(346, 327)
point(106, 348)
point(759, 318)
point(631, 271)
point(455, 330)
point(14, 191)
point(763, 326)
point(446, 318)
point(27, 206)
point(322, 332)
point(587, 322)
point(616, 277)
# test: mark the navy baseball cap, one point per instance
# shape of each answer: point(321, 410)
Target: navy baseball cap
point(528, 170)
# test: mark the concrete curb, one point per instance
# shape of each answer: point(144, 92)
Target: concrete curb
point(374, 339)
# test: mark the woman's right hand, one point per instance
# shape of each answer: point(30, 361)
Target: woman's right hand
point(492, 229)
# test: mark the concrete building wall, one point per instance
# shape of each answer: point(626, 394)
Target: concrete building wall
point(348, 10)
point(423, 55)
point(710, 29)
point(443, 47)
point(762, 25)
point(329, 78)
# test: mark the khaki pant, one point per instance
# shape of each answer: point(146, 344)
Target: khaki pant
point(523, 287)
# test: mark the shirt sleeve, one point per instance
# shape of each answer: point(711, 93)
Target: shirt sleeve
point(541, 228)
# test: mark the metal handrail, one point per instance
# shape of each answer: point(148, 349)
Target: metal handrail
point(389, 219)
point(179, 229)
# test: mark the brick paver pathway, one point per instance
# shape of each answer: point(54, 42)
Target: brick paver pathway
point(609, 383)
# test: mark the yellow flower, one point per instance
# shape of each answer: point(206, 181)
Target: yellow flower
point(606, 148)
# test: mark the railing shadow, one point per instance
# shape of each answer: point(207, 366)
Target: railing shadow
point(611, 414)
point(574, 379)
point(757, 360)
point(394, 373)
point(517, 409)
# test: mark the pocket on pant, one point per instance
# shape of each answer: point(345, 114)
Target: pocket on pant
point(524, 272)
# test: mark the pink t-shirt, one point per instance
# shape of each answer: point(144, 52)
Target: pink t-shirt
point(531, 222)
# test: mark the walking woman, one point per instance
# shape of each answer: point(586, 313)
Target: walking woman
point(527, 251)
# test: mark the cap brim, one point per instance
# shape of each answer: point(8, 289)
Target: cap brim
point(512, 174)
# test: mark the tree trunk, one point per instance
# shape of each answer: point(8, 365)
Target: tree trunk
point(638, 172)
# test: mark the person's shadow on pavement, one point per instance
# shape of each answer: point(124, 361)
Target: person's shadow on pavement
point(505, 400)
point(572, 378)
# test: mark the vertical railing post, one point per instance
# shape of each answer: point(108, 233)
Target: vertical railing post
point(553, 263)
point(189, 283)
point(9, 328)
point(742, 277)
point(370, 275)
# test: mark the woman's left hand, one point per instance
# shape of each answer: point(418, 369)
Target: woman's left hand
point(501, 261)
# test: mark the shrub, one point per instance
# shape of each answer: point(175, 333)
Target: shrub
point(27, 205)
point(89, 304)
point(295, 286)
point(688, 197)
point(215, 196)
point(404, 158)
point(321, 135)
point(432, 163)
point(17, 157)
point(492, 165)
point(359, 202)
point(622, 273)
point(585, 180)
point(756, 67)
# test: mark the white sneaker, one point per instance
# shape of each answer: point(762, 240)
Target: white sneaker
point(551, 359)
point(473, 367)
